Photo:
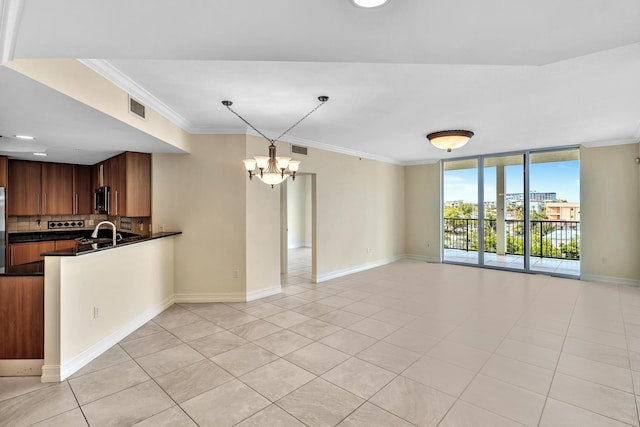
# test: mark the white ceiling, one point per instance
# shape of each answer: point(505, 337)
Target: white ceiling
point(519, 74)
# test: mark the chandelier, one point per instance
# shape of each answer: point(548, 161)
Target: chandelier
point(273, 170)
point(449, 139)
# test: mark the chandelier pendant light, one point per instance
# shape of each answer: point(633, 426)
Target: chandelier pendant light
point(272, 169)
point(449, 139)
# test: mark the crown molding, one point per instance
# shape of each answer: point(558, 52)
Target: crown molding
point(107, 70)
point(9, 23)
point(620, 141)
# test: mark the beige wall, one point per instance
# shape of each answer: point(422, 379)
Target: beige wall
point(202, 194)
point(230, 223)
point(360, 204)
point(77, 81)
point(610, 213)
point(422, 194)
point(262, 228)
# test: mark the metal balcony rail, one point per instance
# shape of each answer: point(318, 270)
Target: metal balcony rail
point(549, 238)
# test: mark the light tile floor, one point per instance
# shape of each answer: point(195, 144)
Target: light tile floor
point(565, 267)
point(407, 344)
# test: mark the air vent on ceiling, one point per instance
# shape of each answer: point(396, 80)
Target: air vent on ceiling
point(136, 108)
point(299, 150)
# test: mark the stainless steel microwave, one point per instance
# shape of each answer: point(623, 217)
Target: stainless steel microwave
point(101, 200)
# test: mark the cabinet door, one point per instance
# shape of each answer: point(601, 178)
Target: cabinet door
point(57, 189)
point(117, 182)
point(82, 192)
point(22, 253)
point(138, 185)
point(23, 194)
point(22, 317)
point(65, 244)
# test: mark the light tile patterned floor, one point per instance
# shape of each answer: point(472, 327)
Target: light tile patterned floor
point(409, 343)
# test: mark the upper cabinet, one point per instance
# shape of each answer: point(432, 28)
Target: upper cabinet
point(82, 190)
point(24, 194)
point(40, 188)
point(128, 177)
point(57, 189)
point(36, 188)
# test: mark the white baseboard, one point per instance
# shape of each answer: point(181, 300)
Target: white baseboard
point(228, 297)
point(345, 272)
point(54, 373)
point(21, 367)
point(50, 374)
point(211, 297)
point(609, 279)
point(423, 258)
point(262, 293)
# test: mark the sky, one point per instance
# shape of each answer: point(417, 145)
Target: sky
point(562, 178)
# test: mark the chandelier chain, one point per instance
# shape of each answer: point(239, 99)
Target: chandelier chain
point(250, 125)
point(322, 101)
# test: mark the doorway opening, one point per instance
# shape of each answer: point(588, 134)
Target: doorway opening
point(297, 225)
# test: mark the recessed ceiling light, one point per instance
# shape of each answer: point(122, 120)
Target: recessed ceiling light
point(40, 154)
point(369, 3)
point(24, 136)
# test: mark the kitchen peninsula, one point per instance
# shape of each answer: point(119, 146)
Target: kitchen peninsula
point(66, 293)
point(95, 296)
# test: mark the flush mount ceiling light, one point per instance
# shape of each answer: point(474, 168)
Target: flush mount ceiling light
point(449, 139)
point(273, 169)
point(29, 137)
point(369, 3)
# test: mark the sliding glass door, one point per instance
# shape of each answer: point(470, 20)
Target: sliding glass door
point(518, 211)
point(460, 192)
point(503, 211)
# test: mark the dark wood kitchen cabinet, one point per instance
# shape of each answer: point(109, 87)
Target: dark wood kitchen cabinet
point(82, 190)
point(22, 317)
point(57, 189)
point(128, 176)
point(24, 188)
point(37, 188)
point(22, 253)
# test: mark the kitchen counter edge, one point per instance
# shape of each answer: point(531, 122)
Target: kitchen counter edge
point(88, 249)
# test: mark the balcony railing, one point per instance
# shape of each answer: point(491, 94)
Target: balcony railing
point(549, 239)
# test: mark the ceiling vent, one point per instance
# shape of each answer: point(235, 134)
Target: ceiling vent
point(299, 150)
point(136, 108)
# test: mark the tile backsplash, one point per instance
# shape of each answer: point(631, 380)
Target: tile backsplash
point(24, 224)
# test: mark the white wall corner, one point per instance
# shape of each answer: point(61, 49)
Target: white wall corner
point(10, 13)
point(610, 280)
point(356, 269)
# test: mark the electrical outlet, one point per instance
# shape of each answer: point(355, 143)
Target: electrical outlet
point(160, 228)
point(90, 222)
point(96, 312)
point(236, 274)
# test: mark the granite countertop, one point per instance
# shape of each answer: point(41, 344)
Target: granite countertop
point(102, 244)
point(37, 268)
point(45, 236)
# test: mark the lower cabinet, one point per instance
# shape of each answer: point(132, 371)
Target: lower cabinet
point(65, 244)
point(22, 317)
point(22, 253)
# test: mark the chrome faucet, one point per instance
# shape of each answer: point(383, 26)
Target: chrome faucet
point(113, 229)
